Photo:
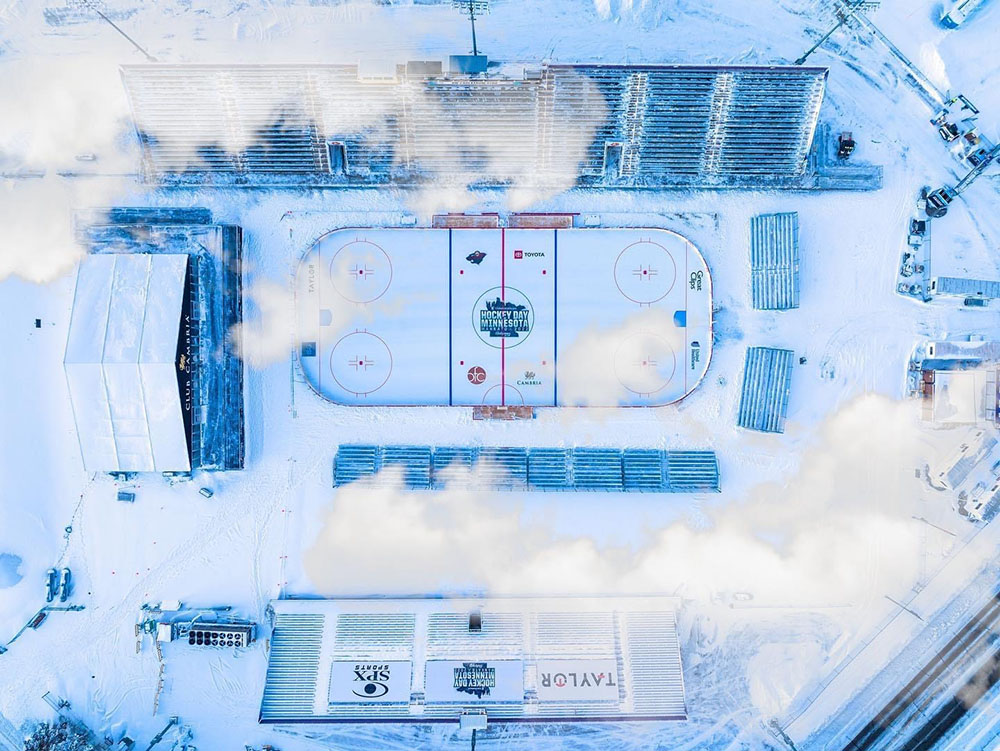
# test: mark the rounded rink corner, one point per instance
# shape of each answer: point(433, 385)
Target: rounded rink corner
point(504, 317)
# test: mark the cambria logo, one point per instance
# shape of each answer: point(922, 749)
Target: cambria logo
point(529, 379)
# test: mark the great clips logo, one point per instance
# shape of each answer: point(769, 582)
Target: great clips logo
point(475, 678)
point(503, 316)
point(371, 681)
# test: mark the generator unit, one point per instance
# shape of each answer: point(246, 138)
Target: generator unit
point(221, 634)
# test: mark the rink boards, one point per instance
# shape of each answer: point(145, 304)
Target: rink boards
point(535, 317)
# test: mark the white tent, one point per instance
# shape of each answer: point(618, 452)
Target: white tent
point(121, 363)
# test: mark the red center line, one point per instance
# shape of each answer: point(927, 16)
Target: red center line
point(503, 298)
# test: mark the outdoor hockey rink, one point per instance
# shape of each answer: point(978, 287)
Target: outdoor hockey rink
point(535, 317)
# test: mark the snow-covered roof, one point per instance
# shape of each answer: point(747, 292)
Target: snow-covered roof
point(418, 660)
point(965, 396)
point(121, 363)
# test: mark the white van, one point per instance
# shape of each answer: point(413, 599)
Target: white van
point(955, 12)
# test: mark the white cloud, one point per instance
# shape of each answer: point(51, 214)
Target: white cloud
point(839, 533)
point(54, 111)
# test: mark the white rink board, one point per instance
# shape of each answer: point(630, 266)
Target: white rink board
point(536, 317)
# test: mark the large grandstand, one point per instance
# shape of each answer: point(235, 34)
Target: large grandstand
point(435, 660)
point(628, 125)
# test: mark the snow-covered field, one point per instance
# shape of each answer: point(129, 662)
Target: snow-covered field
point(820, 525)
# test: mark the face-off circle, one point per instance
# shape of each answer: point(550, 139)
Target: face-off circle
point(512, 396)
point(361, 271)
point(361, 363)
point(503, 317)
point(645, 363)
point(645, 272)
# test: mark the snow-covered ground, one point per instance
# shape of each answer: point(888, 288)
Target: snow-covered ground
point(820, 525)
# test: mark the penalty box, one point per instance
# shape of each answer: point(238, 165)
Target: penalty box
point(535, 317)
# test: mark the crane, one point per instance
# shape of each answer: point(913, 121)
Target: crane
point(937, 200)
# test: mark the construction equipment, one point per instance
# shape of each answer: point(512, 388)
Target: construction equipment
point(51, 584)
point(954, 13)
point(936, 201)
point(159, 736)
point(220, 634)
point(65, 585)
point(845, 145)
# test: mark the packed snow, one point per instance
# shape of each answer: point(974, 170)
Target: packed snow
point(803, 559)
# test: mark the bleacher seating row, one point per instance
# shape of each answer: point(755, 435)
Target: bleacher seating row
point(767, 377)
point(774, 261)
point(518, 468)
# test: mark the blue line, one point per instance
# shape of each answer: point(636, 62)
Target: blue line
point(555, 318)
point(450, 360)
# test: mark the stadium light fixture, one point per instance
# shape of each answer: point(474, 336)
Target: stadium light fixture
point(473, 8)
point(95, 6)
point(846, 9)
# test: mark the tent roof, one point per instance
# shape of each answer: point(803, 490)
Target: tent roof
point(120, 362)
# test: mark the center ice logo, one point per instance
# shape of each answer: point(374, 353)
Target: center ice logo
point(503, 317)
point(475, 678)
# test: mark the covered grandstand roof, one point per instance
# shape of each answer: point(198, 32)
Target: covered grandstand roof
point(121, 362)
point(423, 660)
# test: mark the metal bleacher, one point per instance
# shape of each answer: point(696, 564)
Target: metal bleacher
point(413, 461)
point(597, 469)
point(502, 467)
point(509, 468)
point(767, 376)
point(774, 261)
point(642, 469)
point(692, 471)
point(354, 463)
point(549, 469)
